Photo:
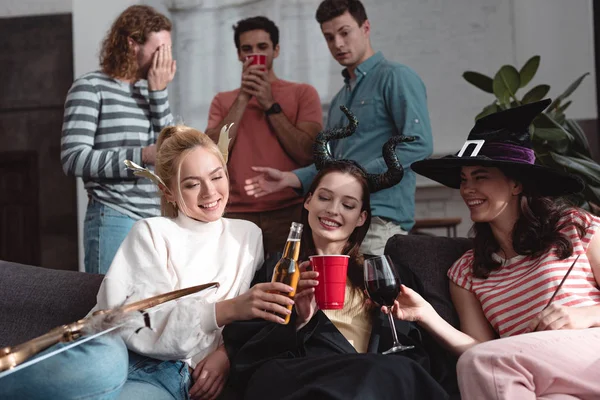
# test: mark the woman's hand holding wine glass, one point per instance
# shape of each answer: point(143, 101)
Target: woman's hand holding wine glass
point(383, 286)
point(408, 306)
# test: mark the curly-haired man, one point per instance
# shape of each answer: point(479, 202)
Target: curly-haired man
point(116, 114)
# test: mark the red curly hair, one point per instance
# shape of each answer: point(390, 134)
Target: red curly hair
point(136, 22)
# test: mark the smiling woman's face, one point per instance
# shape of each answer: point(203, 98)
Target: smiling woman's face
point(489, 193)
point(334, 209)
point(204, 186)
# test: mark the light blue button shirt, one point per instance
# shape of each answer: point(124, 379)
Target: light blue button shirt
point(388, 99)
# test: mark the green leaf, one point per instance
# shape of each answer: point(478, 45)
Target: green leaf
point(560, 118)
point(568, 92)
point(480, 81)
point(554, 138)
point(562, 108)
point(487, 110)
point(551, 134)
point(528, 71)
point(545, 120)
point(580, 142)
point(577, 154)
point(506, 83)
point(536, 94)
point(589, 171)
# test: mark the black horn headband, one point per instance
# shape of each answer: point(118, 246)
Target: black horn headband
point(391, 177)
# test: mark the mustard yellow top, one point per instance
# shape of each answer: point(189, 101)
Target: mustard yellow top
point(353, 321)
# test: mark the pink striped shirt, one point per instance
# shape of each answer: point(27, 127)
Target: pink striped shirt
point(518, 291)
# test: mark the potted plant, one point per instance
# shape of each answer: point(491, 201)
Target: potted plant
point(558, 142)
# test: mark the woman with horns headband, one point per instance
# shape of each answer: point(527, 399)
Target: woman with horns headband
point(332, 354)
point(528, 293)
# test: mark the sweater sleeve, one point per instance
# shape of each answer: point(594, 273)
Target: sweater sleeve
point(77, 153)
point(160, 112)
point(140, 270)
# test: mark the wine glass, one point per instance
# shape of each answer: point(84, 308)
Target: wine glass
point(383, 286)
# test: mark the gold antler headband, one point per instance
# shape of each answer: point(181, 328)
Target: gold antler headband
point(224, 141)
point(146, 173)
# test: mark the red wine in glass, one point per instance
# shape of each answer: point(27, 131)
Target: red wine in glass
point(383, 292)
point(383, 286)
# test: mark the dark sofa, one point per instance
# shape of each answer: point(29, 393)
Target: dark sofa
point(34, 300)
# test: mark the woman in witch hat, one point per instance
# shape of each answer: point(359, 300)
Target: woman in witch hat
point(532, 277)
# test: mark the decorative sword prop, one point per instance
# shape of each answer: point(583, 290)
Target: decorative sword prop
point(99, 323)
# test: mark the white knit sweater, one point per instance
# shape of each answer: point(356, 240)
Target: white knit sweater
point(161, 255)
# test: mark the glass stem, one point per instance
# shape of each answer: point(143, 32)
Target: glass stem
point(393, 328)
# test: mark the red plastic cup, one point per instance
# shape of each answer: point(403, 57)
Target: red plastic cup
point(330, 293)
point(258, 59)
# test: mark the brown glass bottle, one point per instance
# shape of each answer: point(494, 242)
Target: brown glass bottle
point(287, 269)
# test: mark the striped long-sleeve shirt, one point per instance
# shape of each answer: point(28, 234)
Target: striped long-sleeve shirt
point(107, 121)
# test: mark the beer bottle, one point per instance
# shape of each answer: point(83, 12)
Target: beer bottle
point(287, 269)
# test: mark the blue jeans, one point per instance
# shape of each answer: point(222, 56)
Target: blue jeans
point(96, 369)
point(152, 379)
point(100, 369)
point(104, 231)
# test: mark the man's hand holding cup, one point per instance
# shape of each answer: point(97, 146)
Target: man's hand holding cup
point(255, 80)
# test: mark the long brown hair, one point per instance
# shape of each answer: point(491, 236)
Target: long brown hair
point(352, 247)
point(536, 231)
point(173, 143)
point(136, 22)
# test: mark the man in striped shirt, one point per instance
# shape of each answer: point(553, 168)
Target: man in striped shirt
point(116, 114)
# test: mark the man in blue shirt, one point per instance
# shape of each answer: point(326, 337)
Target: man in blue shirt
point(388, 99)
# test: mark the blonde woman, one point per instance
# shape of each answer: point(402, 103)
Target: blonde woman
point(189, 245)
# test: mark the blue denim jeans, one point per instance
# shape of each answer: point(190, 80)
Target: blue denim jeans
point(152, 379)
point(96, 369)
point(100, 369)
point(104, 231)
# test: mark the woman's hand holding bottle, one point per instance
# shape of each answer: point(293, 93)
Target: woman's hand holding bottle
point(261, 301)
point(306, 306)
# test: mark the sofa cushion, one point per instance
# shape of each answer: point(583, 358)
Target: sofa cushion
point(422, 263)
point(429, 258)
point(34, 300)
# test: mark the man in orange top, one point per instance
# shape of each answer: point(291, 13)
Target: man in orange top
point(275, 125)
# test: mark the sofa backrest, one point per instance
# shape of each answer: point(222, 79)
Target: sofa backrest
point(429, 258)
point(34, 300)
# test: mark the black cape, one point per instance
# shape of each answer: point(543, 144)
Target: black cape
point(273, 361)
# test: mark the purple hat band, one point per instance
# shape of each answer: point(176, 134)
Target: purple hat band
point(502, 152)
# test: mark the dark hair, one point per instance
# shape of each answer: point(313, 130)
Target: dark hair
point(355, 264)
point(252, 24)
point(330, 9)
point(136, 22)
point(536, 231)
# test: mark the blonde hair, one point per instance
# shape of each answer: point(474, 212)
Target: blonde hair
point(173, 144)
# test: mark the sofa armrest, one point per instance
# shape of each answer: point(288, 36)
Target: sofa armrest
point(34, 300)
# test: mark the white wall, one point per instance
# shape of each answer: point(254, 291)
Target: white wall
point(562, 33)
point(19, 8)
